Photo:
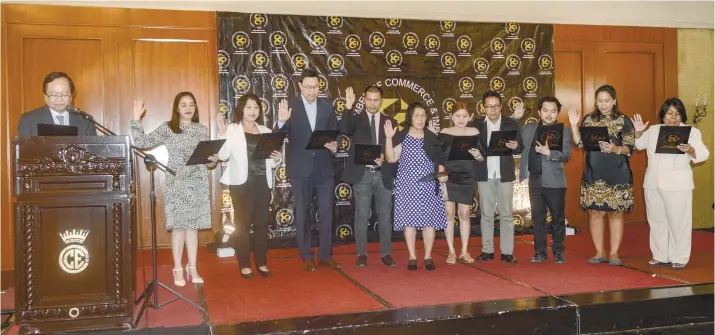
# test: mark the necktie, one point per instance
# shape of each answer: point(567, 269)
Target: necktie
point(61, 119)
point(373, 140)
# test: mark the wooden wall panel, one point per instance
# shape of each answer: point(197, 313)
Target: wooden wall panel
point(641, 63)
point(113, 55)
point(163, 63)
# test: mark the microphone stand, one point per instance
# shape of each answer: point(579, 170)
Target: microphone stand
point(152, 288)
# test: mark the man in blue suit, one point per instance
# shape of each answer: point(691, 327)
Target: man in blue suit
point(311, 172)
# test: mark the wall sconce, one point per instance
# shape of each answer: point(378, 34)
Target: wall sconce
point(700, 110)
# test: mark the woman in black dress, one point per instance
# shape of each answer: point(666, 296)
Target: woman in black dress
point(460, 185)
point(607, 182)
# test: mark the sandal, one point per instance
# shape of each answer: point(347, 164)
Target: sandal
point(654, 262)
point(452, 258)
point(466, 258)
point(678, 266)
point(615, 262)
point(597, 260)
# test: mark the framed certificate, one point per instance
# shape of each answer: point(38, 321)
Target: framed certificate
point(366, 154)
point(498, 141)
point(670, 137)
point(552, 133)
point(320, 137)
point(459, 150)
point(590, 136)
point(203, 150)
point(267, 144)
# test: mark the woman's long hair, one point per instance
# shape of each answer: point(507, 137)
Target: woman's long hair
point(596, 115)
point(175, 122)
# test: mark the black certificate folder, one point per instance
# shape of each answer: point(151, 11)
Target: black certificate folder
point(320, 137)
point(203, 151)
point(366, 154)
point(44, 129)
point(670, 137)
point(498, 141)
point(552, 133)
point(459, 150)
point(590, 136)
point(267, 144)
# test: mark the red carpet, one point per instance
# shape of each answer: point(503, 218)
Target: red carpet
point(291, 292)
point(447, 284)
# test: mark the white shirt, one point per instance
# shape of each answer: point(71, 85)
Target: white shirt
point(493, 165)
point(65, 115)
point(311, 109)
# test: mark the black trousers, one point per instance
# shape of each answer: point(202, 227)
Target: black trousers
point(250, 204)
point(323, 188)
point(552, 198)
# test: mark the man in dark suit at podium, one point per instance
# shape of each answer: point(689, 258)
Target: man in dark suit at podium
point(369, 180)
point(311, 172)
point(58, 89)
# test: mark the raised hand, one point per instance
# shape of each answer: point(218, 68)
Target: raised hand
point(139, 109)
point(638, 124)
point(518, 110)
point(349, 98)
point(284, 111)
point(389, 130)
point(221, 123)
point(574, 117)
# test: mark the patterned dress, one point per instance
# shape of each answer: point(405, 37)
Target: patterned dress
point(607, 181)
point(187, 196)
point(418, 204)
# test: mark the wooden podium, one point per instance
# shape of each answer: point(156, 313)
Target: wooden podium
point(74, 243)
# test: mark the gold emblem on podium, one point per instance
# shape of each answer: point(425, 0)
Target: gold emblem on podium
point(74, 258)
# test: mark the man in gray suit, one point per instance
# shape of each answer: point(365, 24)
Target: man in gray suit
point(547, 181)
point(58, 89)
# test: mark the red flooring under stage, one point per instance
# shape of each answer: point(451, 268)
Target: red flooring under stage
point(292, 292)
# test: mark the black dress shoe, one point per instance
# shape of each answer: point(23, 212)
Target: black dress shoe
point(264, 273)
point(539, 257)
point(361, 261)
point(412, 265)
point(247, 275)
point(387, 260)
point(508, 258)
point(485, 256)
point(429, 264)
point(559, 258)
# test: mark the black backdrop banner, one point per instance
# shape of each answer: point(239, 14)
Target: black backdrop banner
point(437, 62)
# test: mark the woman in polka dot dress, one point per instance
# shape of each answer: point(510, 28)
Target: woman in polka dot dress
point(418, 203)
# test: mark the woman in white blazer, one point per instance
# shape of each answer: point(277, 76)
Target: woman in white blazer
point(250, 182)
point(668, 187)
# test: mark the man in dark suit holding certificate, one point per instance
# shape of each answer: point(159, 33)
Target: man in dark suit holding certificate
point(495, 180)
point(311, 172)
point(58, 89)
point(544, 167)
point(368, 180)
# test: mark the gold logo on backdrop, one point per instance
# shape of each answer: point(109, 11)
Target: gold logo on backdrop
point(223, 107)
point(344, 231)
point(530, 85)
point(259, 59)
point(448, 105)
point(336, 62)
point(497, 84)
point(281, 174)
point(464, 43)
point(343, 192)
point(279, 82)
point(241, 84)
point(223, 60)
point(432, 43)
point(447, 26)
point(545, 62)
point(334, 22)
point(259, 20)
point(513, 102)
point(393, 23)
point(278, 39)
point(284, 217)
point(339, 105)
point(377, 40)
point(512, 28)
point(394, 58)
point(317, 40)
point(344, 143)
point(497, 45)
point(241, 40)
point(480, 108)
point(353, 43)
point(528, 46)
point(300, 61)
point(513, 62)
point(466, 84)
point(410, 40)
point(322, 84)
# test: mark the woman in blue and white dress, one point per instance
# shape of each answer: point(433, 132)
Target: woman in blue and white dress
point(418, 202)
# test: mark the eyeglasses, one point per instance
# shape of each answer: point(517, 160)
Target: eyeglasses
point(311, 88)
point(55, 96)
point(492, 107)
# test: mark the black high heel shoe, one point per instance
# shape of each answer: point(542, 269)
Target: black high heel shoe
point(264, 273)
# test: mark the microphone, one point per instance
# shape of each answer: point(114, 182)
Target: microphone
point(72, 109)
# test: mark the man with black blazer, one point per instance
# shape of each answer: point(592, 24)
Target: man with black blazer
point(58, 89)
point(311, 172)
point(495, 180)
point(547, 181)
point(369, 180)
